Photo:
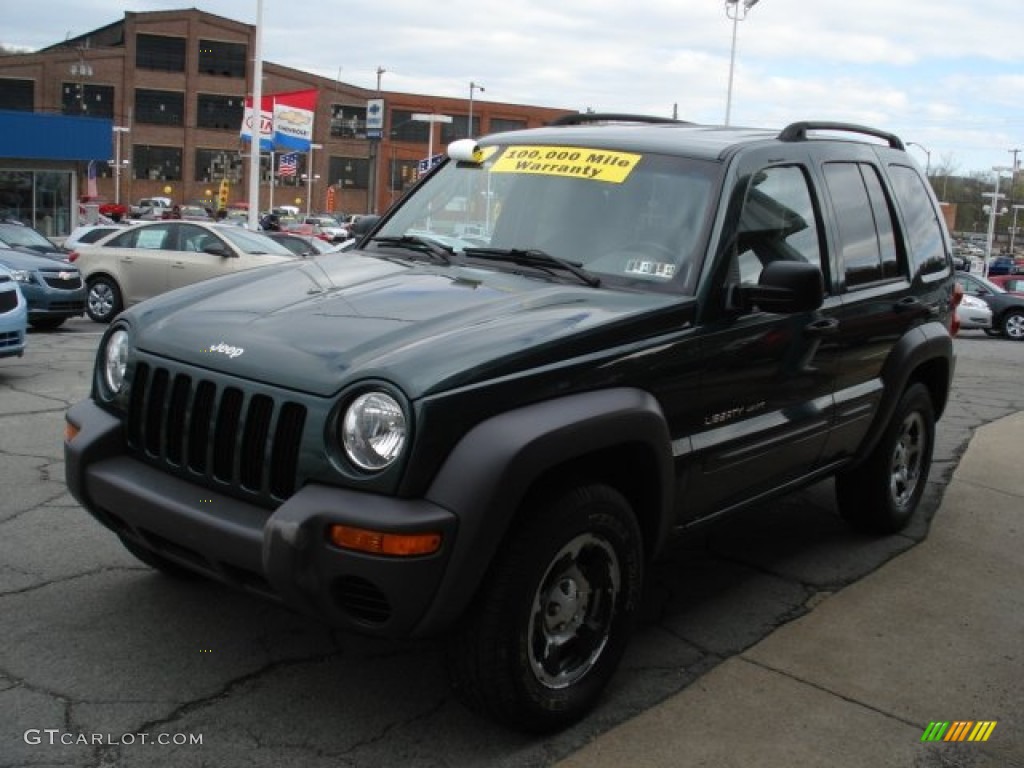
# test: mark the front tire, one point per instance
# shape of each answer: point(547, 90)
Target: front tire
point(553, 618)
point(104, 300)
point(880, 495)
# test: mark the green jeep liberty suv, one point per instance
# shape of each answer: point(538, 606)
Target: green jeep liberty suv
point(565, 344)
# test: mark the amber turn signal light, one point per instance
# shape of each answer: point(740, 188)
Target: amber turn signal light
point(70, 431)
point(381, 543)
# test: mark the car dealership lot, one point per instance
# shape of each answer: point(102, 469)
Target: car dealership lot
point(102, 655)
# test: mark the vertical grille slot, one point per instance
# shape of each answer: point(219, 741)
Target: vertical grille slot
point(285, 457)
point(177, 413)
point(217, 435)
point(155, 409)
point(225, 434)
point(254, 441)
point(199, 427)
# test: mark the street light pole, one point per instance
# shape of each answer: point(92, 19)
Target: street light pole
point(118, 130)
point(309, 173)
point(472, 86)
point(737, 16)
point(928, 157)
point(1013, 229)
point(992, 212)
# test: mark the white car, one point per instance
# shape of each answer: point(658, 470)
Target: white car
point(973, 314)
point(88, 234)
point(148, 259)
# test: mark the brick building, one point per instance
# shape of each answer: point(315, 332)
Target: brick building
point(170, 86)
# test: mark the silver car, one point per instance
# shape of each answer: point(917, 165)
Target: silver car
point(148, 259)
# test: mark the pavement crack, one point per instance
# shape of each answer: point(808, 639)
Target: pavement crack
point(818, 687)
point(73, 577)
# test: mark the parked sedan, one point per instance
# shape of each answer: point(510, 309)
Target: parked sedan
point(13, 316)
point(973, 314)
point(1007, 308)
point(53, 290)
point(302, 245)
point(148, 259)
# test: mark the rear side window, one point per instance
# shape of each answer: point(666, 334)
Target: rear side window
point(865, 223)
point(924, 227)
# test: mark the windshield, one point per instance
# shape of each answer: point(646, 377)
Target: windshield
point(252, 242)
point(18, 235)
point(627, 218)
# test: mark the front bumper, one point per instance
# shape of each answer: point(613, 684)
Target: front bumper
point(284, 554)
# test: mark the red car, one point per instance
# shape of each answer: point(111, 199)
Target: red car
point(1009, 283)
point(113, 211)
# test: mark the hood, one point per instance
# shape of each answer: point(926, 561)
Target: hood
point(18, 259)
point(317, 325)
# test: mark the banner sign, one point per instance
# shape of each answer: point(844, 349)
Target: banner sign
point(266, 122)
point(293, 119)
point(374, 118)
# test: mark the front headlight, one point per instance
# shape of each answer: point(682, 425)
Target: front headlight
point(373, 431)
point(115, 360)
point(22, 275)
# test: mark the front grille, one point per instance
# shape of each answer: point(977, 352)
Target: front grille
point(54, 280)
point(8, 300)
point(232, 439)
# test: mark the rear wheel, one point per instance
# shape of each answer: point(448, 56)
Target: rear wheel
point(553, 618)
point(1013, 325)
point(104, 299)
point(881, 494)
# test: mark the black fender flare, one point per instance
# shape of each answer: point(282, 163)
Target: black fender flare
point(917, 351)
point(487, 475)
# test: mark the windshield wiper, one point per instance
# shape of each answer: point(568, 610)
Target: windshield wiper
point(442, 253)
point(533, 257)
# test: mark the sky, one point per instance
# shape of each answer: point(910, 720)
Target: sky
point(947, 75)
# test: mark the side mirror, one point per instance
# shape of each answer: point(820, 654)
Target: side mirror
point(219, 250)
point(785, 287)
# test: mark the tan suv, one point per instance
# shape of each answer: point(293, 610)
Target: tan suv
point(149, 259)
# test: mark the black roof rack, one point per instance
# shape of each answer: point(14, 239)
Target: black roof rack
point(798, 131)
point(582, 118)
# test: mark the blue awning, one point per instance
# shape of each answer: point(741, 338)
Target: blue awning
point(41, 136)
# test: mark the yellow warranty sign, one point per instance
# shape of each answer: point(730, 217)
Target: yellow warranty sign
point(574, 162)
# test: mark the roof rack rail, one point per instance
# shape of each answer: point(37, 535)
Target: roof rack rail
point(582, 118)
point(798, 131)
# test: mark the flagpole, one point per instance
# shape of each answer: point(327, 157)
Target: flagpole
point(257, 110)
point(273, 178)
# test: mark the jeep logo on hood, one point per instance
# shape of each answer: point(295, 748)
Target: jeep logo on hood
point(225, 349)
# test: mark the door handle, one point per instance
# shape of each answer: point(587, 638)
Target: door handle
point(823, 327)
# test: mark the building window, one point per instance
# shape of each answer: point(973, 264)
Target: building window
point(404, 128)
point(213, 165)
point(159, 52)
point(160, 107)
point(499, 124)
point(18, 95)
point(218, 58)
point(403, 174)
point(349, 172)
point(219, 112)
point(87, 99)
point(156, 163)
point(348, 122)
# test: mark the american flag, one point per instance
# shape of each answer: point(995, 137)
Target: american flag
point(288, 165)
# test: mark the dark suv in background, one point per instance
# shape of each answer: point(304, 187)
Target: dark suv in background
point(564, 345)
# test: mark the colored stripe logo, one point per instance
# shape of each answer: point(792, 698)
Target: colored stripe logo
point(959, 730)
